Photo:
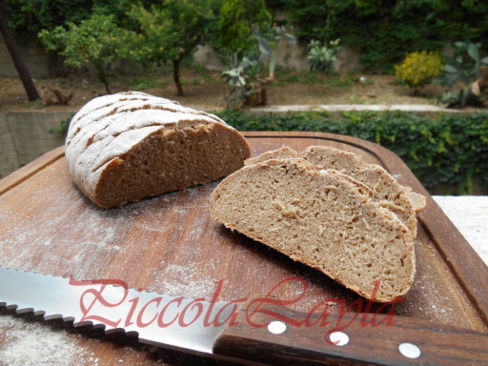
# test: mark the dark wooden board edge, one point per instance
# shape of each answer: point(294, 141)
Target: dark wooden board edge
point(468, 268)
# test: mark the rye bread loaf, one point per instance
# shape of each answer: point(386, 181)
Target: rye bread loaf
point(322, 219)
point(126, 146)
point(401, 200)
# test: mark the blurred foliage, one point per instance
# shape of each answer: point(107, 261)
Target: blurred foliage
point(29, 17)
point(170, 31)
point(62, 127)
point(322, 56)
point(464, 69)
point(384, 31)
point(249, 75)
point(236, 20)
point(465, 64)
point(419, 69)
point(443, 149)
point(97, 40)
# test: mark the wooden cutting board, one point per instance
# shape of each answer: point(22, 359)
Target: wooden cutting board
point(169, 244)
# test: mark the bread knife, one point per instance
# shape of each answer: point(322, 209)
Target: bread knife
point(259, 331)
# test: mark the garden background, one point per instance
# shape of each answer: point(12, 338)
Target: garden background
point(228, 56)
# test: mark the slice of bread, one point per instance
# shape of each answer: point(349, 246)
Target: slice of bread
point(385, 188)
point(124, 147)
point(321, 219)
point(400, 200)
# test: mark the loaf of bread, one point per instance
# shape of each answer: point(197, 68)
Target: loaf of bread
point(124, 147)
point(321, 218)
point(401, 200)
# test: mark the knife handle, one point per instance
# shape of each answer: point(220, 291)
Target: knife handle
point(384, 339)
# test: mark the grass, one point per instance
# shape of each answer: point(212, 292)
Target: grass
point(311, 78)
point(35, 104)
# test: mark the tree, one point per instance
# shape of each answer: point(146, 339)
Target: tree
point(236, 20)
point(14, 51)
point(170, 32)
point(97, 40)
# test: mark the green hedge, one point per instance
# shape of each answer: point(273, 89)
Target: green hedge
point(443, 149)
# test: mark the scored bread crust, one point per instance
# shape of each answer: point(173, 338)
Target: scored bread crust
point(126, 146)
point(321, 219)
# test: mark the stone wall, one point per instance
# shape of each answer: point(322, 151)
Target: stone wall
point(24, 136)
point(39, 63)
point(294, 57)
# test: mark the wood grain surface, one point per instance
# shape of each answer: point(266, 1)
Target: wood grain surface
point(169, 244)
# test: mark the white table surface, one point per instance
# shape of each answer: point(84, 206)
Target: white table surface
point(470, 215)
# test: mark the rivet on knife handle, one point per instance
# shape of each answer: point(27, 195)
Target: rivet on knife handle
point(264, 335)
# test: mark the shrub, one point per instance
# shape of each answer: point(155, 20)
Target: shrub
point(444, 149)
point(419, 69)
point(322, 57)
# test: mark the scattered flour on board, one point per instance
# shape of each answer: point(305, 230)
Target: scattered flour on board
point(36, 344)
point(187, 280)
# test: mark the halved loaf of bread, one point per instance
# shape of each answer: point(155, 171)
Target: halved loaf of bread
point(124, 147)
point(321, 219)
point(401, 200)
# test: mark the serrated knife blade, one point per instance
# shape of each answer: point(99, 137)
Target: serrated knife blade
point(59, 297)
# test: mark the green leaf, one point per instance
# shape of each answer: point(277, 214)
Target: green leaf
point(473, 52)
point(460, 45)
point(450, 69)
point(264, 47)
